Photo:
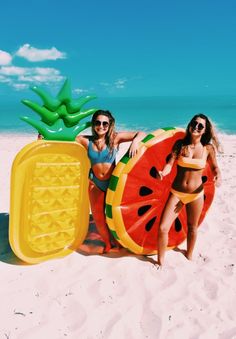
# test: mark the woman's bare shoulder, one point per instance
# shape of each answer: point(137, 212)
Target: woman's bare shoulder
point(83, 140)
point(210, 148)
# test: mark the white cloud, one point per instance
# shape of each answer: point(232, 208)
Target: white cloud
point(20, 77)
point(32, 73)
point(5, 58)
point(34, 54)
point(4, 79)
point(12, 70)
point(105, 84)
point(40, 78)
point(46, 71)
point(80, 91)
point(120, 83)
point(20, 87)
point(116, 85)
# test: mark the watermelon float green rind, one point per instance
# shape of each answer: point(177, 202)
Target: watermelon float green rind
point(135, 198)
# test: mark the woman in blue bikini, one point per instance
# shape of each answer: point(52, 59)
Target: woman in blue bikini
point(191, 155)
point(102, 148)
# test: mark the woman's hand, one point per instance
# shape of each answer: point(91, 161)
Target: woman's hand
point(159, 175)
point(166, 170)
point(133, 149)
point(217, 176)
point(217, 180)
point(214, 166)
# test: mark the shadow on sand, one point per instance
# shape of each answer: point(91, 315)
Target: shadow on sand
point(6, 253)
point(92, 245)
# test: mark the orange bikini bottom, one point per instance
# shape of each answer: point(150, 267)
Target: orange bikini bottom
point(186, 198)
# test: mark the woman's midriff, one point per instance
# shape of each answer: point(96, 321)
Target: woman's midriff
point(188, 180)
point(103, 171)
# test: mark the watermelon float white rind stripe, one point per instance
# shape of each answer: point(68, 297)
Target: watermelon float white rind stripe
point(135, 198)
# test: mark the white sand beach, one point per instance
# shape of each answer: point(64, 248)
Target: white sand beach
point(119, 296)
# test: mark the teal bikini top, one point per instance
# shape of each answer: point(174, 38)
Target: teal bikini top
point(105, 156)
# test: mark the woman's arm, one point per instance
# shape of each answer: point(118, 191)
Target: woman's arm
point(214, 165)
point(167, 168)
point(82, 140)
point(135, 137)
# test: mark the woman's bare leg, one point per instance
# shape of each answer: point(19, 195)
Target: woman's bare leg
point(194, 210)
point(170, 213)
point(97, 202)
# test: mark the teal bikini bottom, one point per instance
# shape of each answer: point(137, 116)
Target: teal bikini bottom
point(101, 184)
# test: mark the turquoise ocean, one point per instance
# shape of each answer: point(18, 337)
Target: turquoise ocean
point(140, 113)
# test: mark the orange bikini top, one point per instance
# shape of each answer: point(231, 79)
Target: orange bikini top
point(193, 163)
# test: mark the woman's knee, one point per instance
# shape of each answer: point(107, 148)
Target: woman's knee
point(163, 229)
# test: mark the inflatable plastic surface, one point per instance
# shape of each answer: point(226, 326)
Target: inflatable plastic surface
point(49, 214)
point(135, 198)
point(60, 116)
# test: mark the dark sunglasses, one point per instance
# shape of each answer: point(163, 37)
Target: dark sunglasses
point(103, 123)
point(197, 125)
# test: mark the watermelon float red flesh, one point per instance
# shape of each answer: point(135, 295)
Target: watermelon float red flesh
point(144, 197)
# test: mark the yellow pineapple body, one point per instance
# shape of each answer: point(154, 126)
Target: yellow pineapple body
point(49, 212)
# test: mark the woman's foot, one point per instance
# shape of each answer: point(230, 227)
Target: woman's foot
point(111, 248)
point(115, 249)
point(106, 249)
point(189, 256)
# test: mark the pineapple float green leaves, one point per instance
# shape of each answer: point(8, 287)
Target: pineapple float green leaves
point(60, 116)
point(49, 210)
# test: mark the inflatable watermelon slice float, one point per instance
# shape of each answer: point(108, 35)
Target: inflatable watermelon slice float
point(135, 198)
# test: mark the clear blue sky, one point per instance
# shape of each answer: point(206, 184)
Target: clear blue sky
point(119, 48)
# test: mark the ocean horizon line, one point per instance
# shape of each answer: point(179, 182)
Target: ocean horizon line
point(142, 112)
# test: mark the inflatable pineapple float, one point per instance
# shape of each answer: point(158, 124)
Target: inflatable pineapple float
point(49, 212)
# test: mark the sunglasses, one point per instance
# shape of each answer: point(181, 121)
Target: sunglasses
point(99, 123)
point(197, 125)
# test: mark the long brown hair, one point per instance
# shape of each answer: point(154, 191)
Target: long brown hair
point(110, 135)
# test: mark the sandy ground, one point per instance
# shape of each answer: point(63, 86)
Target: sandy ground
point(123, 295)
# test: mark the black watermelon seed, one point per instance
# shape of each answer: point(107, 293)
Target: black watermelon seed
point(144, 190)
point(204, 179)
point(150, 224)
point(204, 196)
point(168, 157)
point(142, 210)
point(154, 172)
point(178, 225)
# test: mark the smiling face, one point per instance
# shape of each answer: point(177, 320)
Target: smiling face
point(101, 125)
point(197, 126)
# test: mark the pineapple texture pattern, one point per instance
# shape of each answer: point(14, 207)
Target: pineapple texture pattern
point(53, 200)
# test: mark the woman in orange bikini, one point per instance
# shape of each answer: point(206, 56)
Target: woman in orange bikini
point(102, 148)
point(191, 154)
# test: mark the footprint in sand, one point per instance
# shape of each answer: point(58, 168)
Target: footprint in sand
point(210, 288)
point(229, 270)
